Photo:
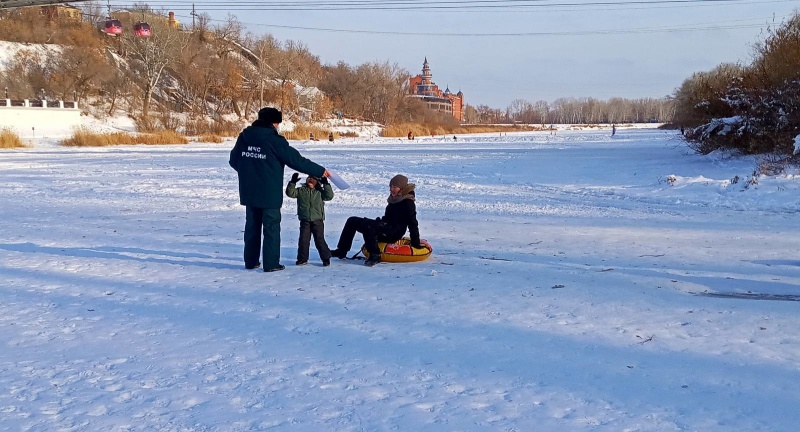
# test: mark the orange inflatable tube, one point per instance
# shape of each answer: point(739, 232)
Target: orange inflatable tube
point(401, 251)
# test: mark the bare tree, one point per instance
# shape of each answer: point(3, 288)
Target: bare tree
point(230, 30)
point(91, 11)
point(518, 110)
point(294, 65)
point(470, 115)
point(268, 50)
point(203, 23)
point(115, 86)
point(151, 57)
point(78, 70)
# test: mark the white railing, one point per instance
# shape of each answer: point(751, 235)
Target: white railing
point(28, 103)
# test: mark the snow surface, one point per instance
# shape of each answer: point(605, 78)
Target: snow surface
point(796, 145)
point(8, 50)
point(578, 283)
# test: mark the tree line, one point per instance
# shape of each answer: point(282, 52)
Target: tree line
point(576, 111)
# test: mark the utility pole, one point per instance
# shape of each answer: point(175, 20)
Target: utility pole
point(194, 14)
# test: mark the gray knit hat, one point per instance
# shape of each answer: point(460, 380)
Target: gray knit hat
point(399, 180)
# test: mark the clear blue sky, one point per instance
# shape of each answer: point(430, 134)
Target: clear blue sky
point(498, 69)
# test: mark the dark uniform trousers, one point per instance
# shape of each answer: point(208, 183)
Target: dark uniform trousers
point(317, 229)
point(268, 220)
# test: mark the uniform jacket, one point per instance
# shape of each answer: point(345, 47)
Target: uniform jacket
point(259, 157)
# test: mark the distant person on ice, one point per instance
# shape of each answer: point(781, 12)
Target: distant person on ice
point(400, 215)
point(311, 198)
point(258, 157)
point(613, 129)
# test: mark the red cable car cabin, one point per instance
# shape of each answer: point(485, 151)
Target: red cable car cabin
point(113, 27)
point(141, 29)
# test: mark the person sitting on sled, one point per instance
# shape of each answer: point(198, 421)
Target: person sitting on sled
point(400, 215)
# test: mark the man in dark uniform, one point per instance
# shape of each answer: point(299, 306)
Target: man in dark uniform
point(259, 157)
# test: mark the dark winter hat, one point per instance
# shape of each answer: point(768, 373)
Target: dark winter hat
point(399, 180)
point(270, 115)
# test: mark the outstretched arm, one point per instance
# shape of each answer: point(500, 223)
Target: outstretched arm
point(292, 158)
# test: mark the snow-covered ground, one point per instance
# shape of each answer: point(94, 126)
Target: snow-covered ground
point(579, 283)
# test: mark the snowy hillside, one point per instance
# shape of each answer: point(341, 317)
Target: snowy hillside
point(578, 283)
point(167, 88)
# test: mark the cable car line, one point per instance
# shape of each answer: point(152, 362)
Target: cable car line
point(466, 3)
point(715, 26)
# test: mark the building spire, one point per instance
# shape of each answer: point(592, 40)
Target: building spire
point(426, 72)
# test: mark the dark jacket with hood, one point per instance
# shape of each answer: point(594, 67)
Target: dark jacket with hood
point(259, 157)
point(310, 201)
point(401, 215)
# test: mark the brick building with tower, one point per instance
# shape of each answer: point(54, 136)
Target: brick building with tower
point(422, 86)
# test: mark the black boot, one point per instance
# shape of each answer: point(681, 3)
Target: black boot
point(278, 268)
point(372, 260)
point(339, 253)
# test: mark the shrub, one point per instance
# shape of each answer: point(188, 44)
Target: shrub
point(9, 139)
point(86, 138)
point(203, 126)
point(765, 121)
point(146, 124)
point(778, 56)
point(772, 165)
point(700, 98)
point(210, 138)
point(302, 131)
point(168, 121)
point(158, 122)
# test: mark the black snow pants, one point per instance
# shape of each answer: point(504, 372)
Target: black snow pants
point(372, 230)
point(317, 229)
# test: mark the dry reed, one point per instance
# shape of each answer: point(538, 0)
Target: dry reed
point(210, 138)
point(9, 139)
point(302, 131)
point(86, 138)
point(203, 126)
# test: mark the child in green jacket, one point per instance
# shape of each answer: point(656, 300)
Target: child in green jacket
point(311, 199)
